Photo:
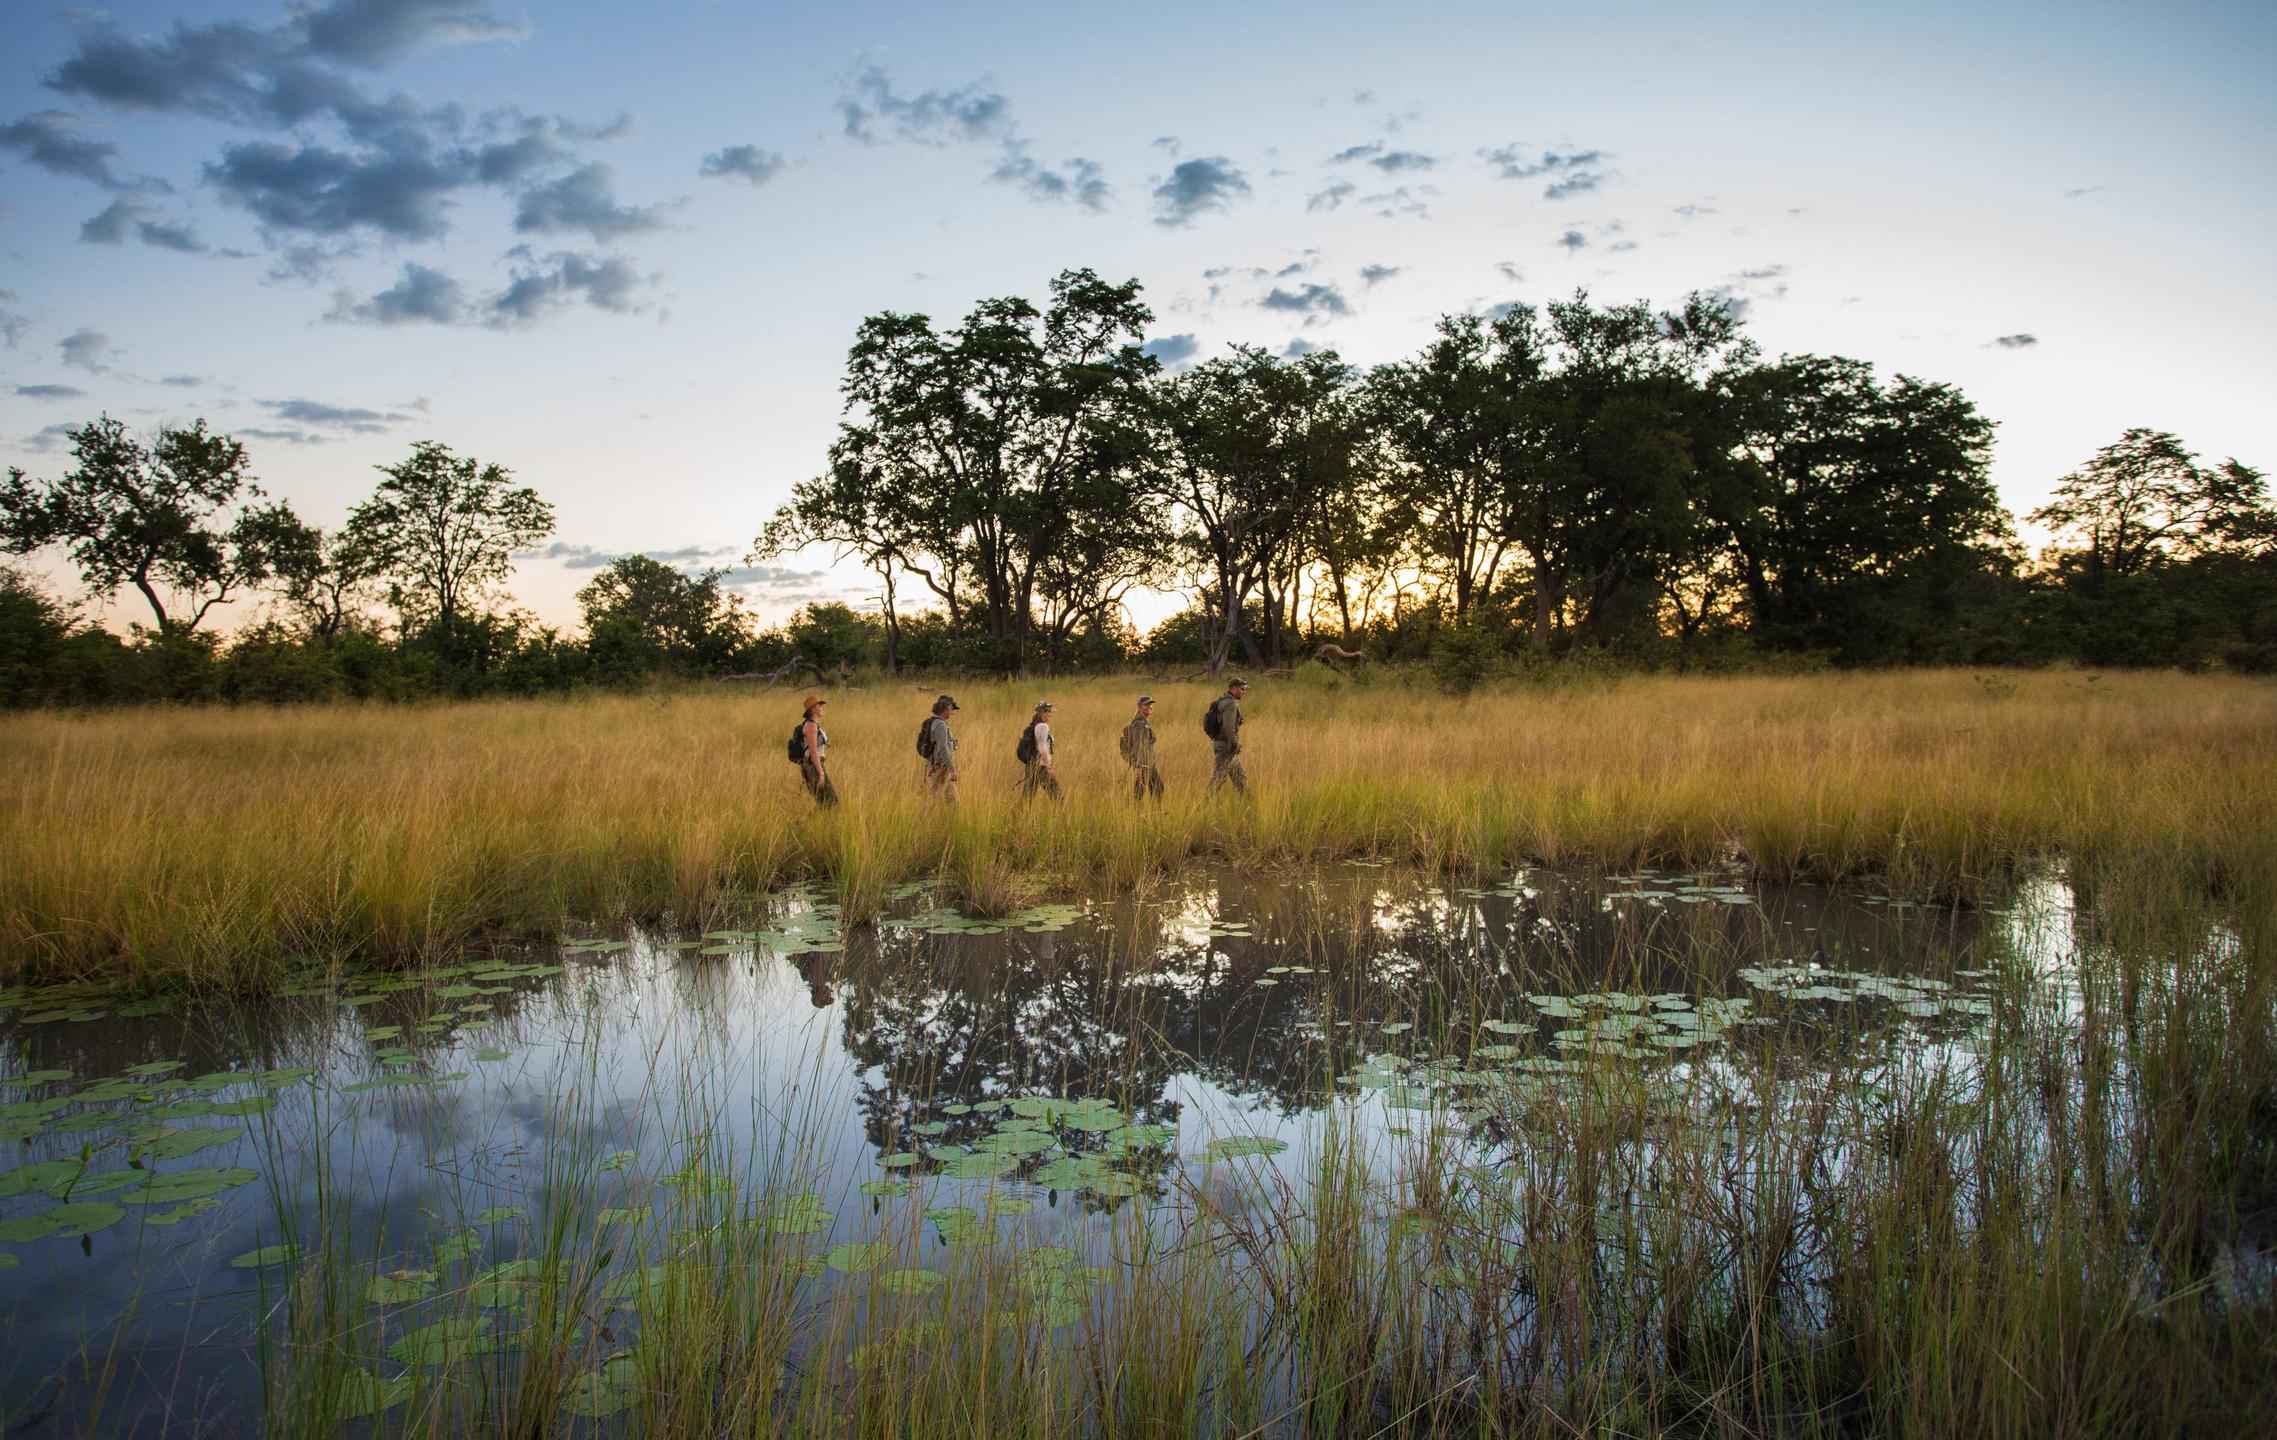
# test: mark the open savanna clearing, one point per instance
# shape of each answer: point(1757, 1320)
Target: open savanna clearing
point(214, 845)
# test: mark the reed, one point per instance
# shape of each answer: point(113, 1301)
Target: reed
point(211, 847)
point(2036, 1235)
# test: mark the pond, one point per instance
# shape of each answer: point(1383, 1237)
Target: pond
point(1064, 1086)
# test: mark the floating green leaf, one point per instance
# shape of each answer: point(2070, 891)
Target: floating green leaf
point(189, 1211)
point(439, 1343)
point(364, 1394)
point(265, 1256)
point(398, 1287)
point(174, 1187)
point(856, 1259)
point(912, 1282)
point(44, 1175)
point(981, 1165)
point(181, 1144)
point(1229, 1147)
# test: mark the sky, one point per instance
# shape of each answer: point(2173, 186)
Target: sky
point(621, 250)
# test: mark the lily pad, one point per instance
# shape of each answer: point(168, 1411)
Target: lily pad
point(188, 1211)
point(500, 1214)
point(399, 1287)
point(439, 1343)
point(912, 1282)
point(174, 1187)
point(180, 1144)
point(266, 1256)
point(856, 1259)
point(364, 1394)
point(1228, 1147)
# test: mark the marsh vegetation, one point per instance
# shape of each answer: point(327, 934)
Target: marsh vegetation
point(1887, 1055)
point(1345, 1152)
point(220, 847)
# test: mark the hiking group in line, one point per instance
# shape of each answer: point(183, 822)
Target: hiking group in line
point(1037, 751)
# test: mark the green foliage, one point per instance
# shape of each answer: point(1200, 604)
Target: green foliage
point(827, 635)
point(444, 529)
point(170, 518)
point(1575, 486)
point(1467, 654)
point(644, 618)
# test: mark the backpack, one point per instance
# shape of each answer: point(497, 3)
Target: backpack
point(1025, 751)
point(1125, 744)
point(798, 743)
point(1213, 725)
point(925, 738)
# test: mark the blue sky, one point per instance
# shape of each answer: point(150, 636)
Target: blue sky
point(622, 249)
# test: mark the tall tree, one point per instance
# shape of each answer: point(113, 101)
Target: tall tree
point(170, 518)
point(646, 615)
point(1464, 422)
point(2145, 500)
point(325, 577)
point(854, 509)
point(1856, 512)
point(444, 529)
point(1631, 408)
point(993, 431)
point(1253, 453)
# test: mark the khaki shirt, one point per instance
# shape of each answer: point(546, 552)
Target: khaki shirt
point(944, 756)
point(1138, 742)
point(1229, 725)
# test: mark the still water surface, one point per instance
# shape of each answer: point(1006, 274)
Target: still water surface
point(932, 1074)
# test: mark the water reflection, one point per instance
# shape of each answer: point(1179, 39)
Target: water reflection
point(1227, 1006)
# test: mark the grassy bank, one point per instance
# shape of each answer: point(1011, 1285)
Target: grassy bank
point(213, 845)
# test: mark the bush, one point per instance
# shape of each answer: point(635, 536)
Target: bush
point(1466, 656)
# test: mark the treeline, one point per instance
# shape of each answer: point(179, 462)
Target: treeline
point(1532, 485)
point(1581, 477)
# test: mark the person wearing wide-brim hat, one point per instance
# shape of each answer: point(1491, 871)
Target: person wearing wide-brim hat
point(937, 742)
point(1036, 754)
point(1224, 726)
point(813, 754)
point(1139, 753)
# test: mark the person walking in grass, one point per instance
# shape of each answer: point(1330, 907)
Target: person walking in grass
point(1138, 752)
point(1222, 723)
point(937, 743)
point(810, 751)
point(1035, 753)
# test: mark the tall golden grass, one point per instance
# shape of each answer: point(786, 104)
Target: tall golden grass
point(215, 845)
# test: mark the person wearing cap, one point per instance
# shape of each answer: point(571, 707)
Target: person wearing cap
point(814, 754)
point(938, 744)
point(1224, 726)
point(1138, 752)
point(1035, 751)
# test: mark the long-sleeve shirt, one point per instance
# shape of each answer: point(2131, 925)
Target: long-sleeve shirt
point(944, 739)
point(1138, 742)
point(1043, 742)
point(1229, 725)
